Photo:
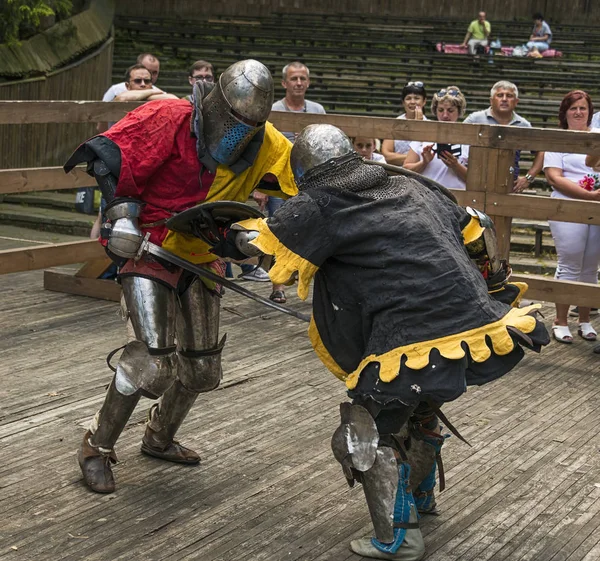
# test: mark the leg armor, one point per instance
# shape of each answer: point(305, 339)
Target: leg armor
point(199, 363)
point(373, 459)
point(146, 367)
point(149, 363)
point(424, 455)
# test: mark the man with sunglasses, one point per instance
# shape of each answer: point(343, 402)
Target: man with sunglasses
point(159, 160)
point(138, 84)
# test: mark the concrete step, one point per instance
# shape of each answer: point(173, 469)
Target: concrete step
point(60, 200)
point(15, 237)
point(46, 219)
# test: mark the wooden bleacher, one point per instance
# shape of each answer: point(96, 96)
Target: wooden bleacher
point(359, 64)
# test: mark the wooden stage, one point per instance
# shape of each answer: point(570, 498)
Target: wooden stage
point(268, 487)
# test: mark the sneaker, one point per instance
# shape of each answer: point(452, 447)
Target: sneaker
point(575, 312)
point(258, 275)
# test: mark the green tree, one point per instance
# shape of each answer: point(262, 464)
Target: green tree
point(22, 18)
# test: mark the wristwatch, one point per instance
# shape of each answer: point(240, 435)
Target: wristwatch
point(529, 178)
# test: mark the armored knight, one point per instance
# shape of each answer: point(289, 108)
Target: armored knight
point(401, 313)
point(161, 159)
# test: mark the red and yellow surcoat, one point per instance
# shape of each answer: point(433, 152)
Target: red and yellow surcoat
point(160, 167)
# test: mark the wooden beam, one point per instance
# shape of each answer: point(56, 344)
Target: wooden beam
point(486, 136)
point(24, 180)
point(29, 112)
point(59, 281)
point(500, 180)
point(543, 208)
point(93, 269)
point(51, 255)
point(495, 136)
point(475, 199)
point(560, 292)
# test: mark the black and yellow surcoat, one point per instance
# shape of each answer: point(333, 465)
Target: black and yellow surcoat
point(399, 309)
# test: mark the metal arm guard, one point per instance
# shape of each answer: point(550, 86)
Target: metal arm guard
point(484, 252)
point(125, 235)
point(103, 158)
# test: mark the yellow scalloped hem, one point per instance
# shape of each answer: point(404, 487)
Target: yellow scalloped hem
point(323, 353)
point(450, 347)
point(472, 231)
point(286, 261)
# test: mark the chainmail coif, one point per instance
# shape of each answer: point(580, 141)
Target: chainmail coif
point(350, 173)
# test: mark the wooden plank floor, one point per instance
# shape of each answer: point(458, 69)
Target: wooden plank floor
point(268, 487)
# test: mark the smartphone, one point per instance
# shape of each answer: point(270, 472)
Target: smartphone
point(453, 149)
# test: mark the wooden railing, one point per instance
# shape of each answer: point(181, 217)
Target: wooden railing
point(489, 185)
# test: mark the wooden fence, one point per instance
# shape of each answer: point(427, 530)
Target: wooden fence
point(575, 11)
point(49, 142)
point(489, 184)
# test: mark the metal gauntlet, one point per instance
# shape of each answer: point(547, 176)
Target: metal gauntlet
point(242, 242)
point(125, 235)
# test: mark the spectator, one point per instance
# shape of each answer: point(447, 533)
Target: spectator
point(446, 164)
point(295, 79)
point(413, 100)
point(541, 37)
point(139, 87)
point(577, 245)
point(477, 35)
point(366, 148)
point(200, 71)
point(147, 60)
point(504, 97)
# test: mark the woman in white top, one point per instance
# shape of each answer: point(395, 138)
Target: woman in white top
point(577, 245)
point(413, 100)
point(446, 164)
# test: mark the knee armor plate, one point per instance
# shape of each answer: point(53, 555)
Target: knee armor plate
point(149, 370)
point(200, 371)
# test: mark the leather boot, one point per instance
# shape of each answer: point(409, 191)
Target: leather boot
point(95, 466)
point(96, 452)
point(164, 419)
point(412, 548)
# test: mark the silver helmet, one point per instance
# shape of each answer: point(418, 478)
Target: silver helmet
point(236, 109)
point(315, 145)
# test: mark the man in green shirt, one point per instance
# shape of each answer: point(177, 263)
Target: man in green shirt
point(477, 34)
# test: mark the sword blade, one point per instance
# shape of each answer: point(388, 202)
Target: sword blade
point(153, 249)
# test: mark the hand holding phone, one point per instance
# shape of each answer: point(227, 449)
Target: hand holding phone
point(441, 148)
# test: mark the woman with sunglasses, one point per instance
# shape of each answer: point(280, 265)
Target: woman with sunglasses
point(444, 163)
point(413, 100)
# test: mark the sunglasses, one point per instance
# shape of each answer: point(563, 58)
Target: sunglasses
point(416, 84)
point(203, 79)
point(140, 81)
point(451, 92)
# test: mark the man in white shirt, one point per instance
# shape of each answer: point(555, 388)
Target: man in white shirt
point(147, 60)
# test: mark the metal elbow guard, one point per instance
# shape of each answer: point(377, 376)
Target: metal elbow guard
point(125, 236)
point(242, 243)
